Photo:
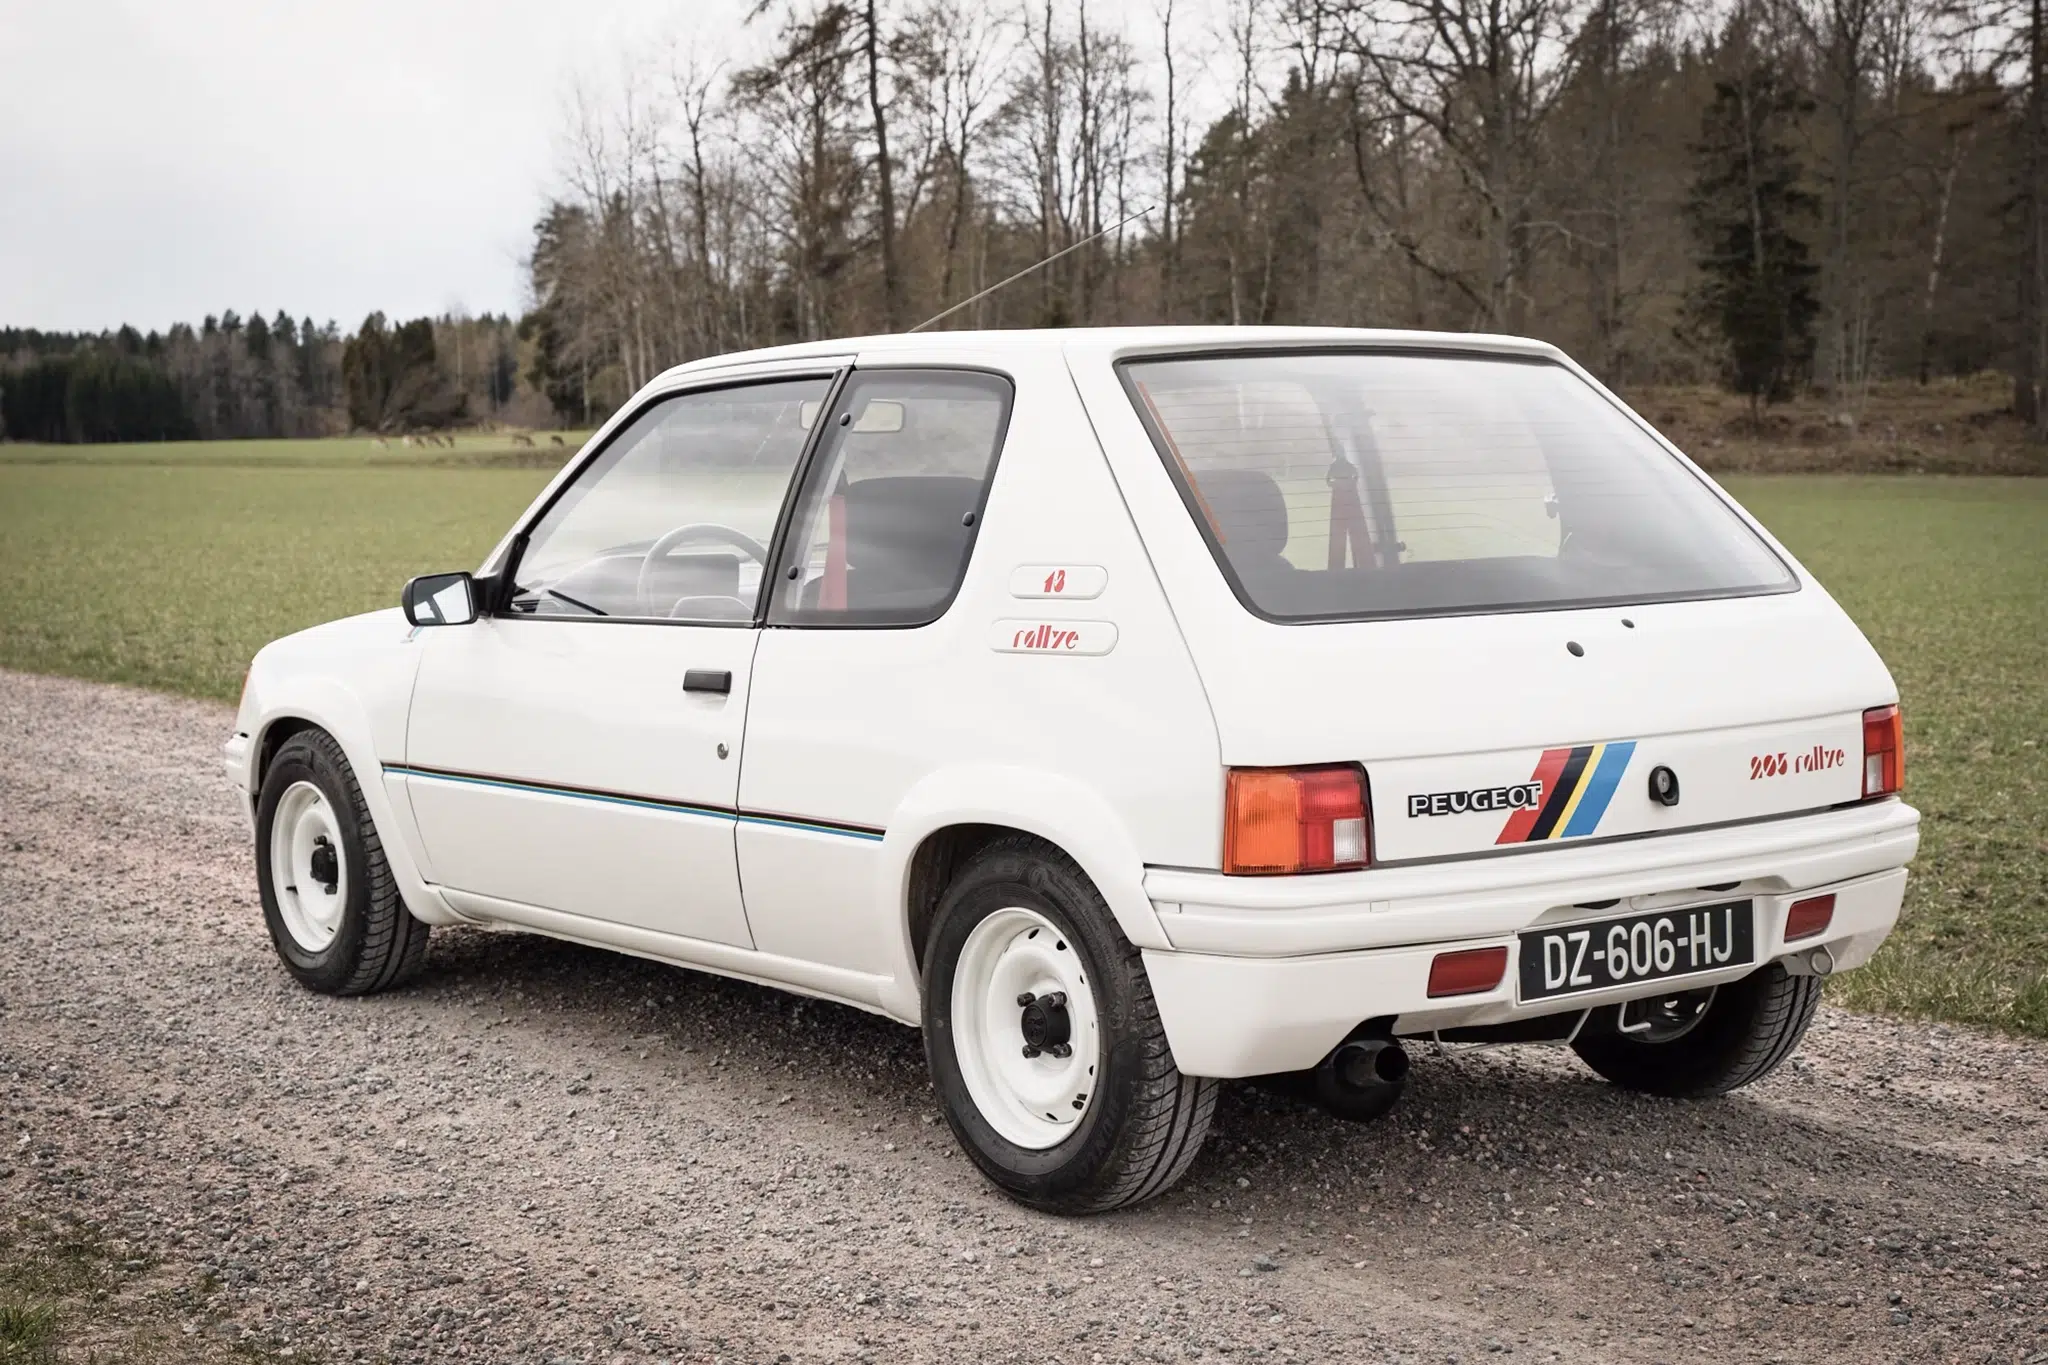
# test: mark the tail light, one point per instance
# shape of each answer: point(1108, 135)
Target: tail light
point(1278, 820)
point(1884, 751)
point(1809, 917)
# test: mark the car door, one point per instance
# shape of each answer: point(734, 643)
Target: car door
point(577, 748)
point(856, 678)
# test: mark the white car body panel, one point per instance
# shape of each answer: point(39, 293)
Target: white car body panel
point(1090, 684)
point(598, 708)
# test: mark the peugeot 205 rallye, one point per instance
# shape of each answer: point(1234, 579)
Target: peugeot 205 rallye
point(1131, 710)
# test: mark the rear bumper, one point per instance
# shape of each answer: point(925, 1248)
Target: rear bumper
point(1268, 974)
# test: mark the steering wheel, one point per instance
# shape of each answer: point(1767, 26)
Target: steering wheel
point(696, 531)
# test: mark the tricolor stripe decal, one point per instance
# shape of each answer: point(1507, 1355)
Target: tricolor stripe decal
point(1598, 789)
point(1578, 783)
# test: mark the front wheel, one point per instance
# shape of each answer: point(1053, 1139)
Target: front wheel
point(333, 909)
point(1706, 1042)
point(1044, 1039)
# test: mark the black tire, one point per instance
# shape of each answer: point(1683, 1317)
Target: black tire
point(1750, 1027)
point(378, 943)
point(1145, 1122)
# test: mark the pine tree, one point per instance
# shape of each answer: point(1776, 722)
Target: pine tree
point(1746, 204)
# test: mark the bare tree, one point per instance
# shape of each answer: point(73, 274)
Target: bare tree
point(1481, 77)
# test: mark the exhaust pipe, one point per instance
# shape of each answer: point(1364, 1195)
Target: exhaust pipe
point(1362, 1078)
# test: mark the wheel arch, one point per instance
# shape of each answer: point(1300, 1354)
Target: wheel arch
point(330, 709)
point(952, 815)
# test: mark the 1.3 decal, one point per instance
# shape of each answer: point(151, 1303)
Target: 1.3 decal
point(1071, 581)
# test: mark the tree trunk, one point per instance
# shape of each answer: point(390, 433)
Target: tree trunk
point(2030, 387)
point(885, 189)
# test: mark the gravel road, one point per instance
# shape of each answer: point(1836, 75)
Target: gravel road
point(545, 1153)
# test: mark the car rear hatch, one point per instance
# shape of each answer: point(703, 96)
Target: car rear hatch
point(1480, 577)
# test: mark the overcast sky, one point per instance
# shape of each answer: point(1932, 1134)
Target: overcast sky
point(164, 160)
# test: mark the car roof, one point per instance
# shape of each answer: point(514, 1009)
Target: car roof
point(1117, 342)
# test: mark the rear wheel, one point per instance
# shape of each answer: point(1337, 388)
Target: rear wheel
point(1705, 1042)
point(333, 910)
point(1044, 1040)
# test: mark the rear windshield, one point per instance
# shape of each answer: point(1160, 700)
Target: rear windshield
point(1368, 484)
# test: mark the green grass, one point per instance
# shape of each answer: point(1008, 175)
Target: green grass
point(173, 576)
point(28, 1331)
point(170, 573)
point(1949, 579)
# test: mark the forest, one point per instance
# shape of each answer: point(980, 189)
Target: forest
point(1779, 197)
point(232, 377)
point(1775, 195)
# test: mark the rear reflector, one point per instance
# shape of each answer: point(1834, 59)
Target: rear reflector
point(1884, 751)
point(1470, 971)
point(1809, 917)
point(1278, 820)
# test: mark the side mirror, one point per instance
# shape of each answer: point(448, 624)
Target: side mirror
point(441, 599)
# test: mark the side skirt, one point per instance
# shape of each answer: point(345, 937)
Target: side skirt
point(857, 989)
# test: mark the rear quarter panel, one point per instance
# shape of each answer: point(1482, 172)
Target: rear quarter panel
point(1078, 718)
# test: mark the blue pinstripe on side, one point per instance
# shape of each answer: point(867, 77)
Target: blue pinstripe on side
point(643, 803)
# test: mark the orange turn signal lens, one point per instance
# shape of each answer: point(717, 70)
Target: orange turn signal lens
point(1281, 820)
point(1809, 917)
point(1469, 971)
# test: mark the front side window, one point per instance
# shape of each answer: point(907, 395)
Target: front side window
point(673, 519)
point(1355, 485)
point(886, 522)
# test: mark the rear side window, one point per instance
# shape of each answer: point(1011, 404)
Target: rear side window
point(889, 509)
point(1348, 486)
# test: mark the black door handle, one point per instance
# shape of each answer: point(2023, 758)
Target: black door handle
point(708, 680)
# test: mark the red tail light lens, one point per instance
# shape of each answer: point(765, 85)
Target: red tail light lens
point(1469, 971)
point(1884, 751)
point(1281, 820)
point(1809, 917)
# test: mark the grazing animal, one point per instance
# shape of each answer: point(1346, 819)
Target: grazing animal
point(556, 439)
point(520, 438)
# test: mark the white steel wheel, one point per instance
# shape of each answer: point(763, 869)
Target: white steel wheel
point(306, 866)
point(1025, 1028)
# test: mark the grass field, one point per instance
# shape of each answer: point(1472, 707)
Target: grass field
point(168, 566)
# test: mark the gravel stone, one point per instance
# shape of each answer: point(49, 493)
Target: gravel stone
point(359, 1181)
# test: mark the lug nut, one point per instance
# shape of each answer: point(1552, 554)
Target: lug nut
point(1030, 1051)
point(1025, 1000)
point(1055, 999)
point(1061, 1050)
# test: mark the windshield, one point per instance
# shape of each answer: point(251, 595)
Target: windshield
point(1357, 485)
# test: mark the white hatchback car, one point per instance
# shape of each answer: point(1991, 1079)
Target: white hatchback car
point(1130, 710)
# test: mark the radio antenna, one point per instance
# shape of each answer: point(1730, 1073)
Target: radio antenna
point(1040, 265)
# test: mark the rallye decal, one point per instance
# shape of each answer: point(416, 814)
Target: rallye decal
point(1577, 784)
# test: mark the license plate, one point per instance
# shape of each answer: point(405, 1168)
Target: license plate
point(1574, 958)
